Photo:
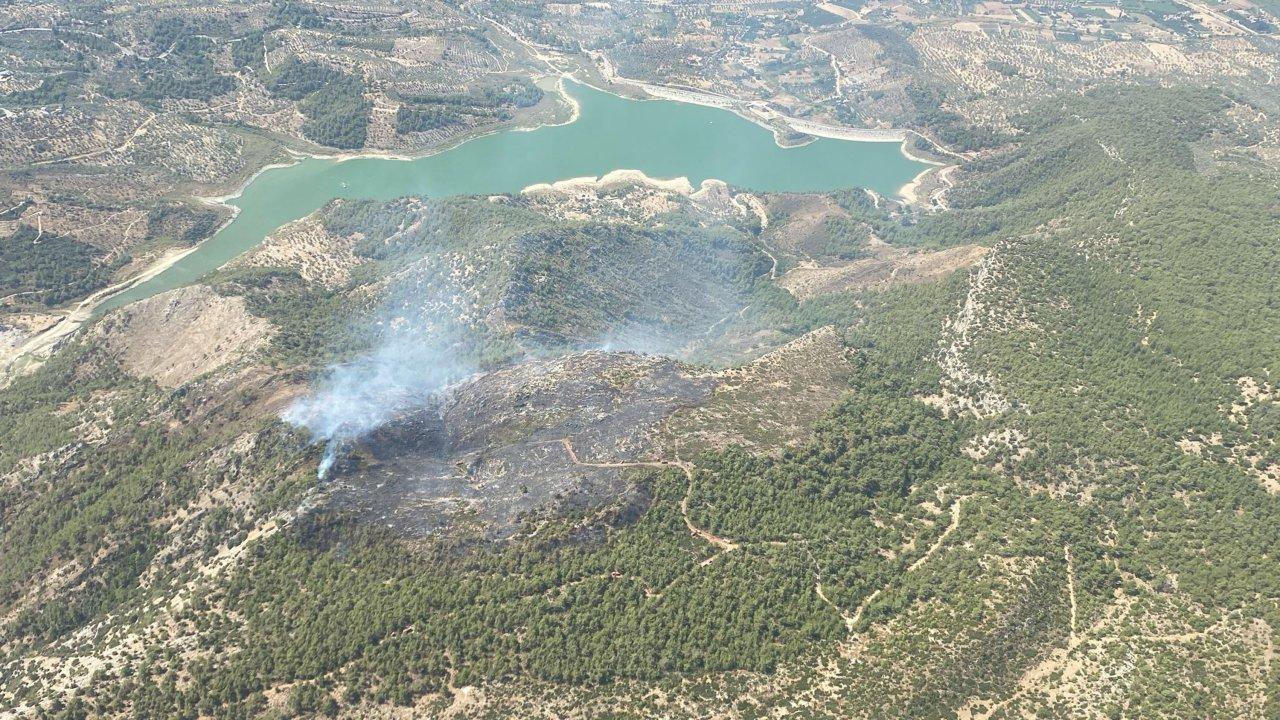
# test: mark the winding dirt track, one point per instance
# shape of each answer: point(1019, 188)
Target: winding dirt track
point(852, 621)
point(724, 544)
point(727, 545)
point(142, 130)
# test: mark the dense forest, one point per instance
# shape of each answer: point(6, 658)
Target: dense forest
point(333, 101)
point(420, 113)
point(49, 268)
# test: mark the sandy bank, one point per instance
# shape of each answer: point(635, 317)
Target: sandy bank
point(615, 179)
point(757, 112)
point(575, 107)
point(909, 193)
point(42, 344)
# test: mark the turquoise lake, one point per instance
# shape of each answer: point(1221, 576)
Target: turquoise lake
point(663, 139)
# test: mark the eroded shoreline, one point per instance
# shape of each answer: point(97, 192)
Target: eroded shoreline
point(45, 342)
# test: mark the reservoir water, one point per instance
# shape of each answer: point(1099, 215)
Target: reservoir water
point(663, 139)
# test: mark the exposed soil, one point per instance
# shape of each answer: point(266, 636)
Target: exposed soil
point(890, 267)
point(182, 334)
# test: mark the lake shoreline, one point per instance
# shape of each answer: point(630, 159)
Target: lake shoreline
point(568, 111)
point(733, 105)
point(902, 137)
point(906, 193)
point(345, 156)
point(616, 178)
point(679, 95)
point(42, 344)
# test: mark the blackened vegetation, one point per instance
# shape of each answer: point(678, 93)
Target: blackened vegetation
point(563, 609)
point(1100, 209)
point(530, 440)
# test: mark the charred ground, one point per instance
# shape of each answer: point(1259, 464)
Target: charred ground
point(862, 487)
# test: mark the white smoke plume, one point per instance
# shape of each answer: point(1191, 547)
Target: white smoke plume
point(417, 356)
point(355, 398)
point(429, 343)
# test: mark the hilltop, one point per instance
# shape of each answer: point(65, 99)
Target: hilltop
point(626, 449)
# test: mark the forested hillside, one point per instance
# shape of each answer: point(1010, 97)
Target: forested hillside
point(1049, 486)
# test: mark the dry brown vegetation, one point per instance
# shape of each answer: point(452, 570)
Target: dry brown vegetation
point(768, 404)
point(890, 266)
point(177, 336)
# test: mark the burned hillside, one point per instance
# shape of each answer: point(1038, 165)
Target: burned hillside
point(539, 437)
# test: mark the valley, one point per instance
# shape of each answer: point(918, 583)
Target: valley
point(679, 360)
